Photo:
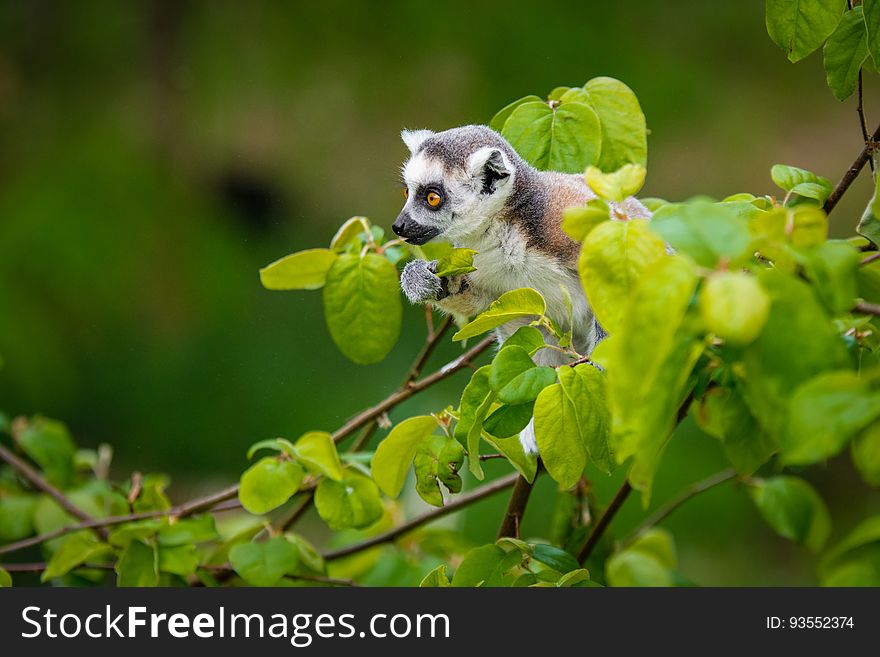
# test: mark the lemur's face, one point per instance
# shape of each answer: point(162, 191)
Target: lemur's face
point(450, 194)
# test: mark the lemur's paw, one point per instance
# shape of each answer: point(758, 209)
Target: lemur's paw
point(420, 283)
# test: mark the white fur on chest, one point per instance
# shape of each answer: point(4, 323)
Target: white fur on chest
point(504, 263)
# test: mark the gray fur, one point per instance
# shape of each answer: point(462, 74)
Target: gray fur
point(419, 282)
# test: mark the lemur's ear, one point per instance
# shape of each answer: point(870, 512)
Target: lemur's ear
point(414, 138)
point(491, 166)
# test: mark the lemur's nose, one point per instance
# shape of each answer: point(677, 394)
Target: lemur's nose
point(399, 226)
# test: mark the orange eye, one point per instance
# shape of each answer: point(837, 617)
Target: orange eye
point(405, 192)
point(433, 199)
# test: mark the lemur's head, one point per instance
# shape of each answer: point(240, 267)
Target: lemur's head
point(456, 182)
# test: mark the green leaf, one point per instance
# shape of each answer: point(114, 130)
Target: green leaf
point(498, 121)
point(304, 270)
point(525, 464)
point(138, 565)
point(616, 186)
point(825, 413)
point(578, 221)
point(141, 530)
point(264, 564)
point(871, 14)
point(613, 260)
point(801, 26)
point(456, 263)
point(437, 460)
point(5, 579)
point(511, 362)
point(180, 560)
point(351, 230)
point(707, 232)
point(845, 52)
point(793, 179)
point(525, 387)
point(474, 434)
point(855, 561)
point(75, 549)
point(395, 453)
point(16, 516)
point(506, 420)
point(797, 343)
point(833, 268)
point(49, 444)
point(723, 414)
point(866, 454)
point(472, 397)
point(734, 307)
point(198, 529)
point(528, 337)
point(585, 387)
point(624, 134)
point(515, 304)
point(869, 224)
point(317, 452)
point(793, 509)
point(353, 502)
point(648, 363)
point(566, 137)
point(479, 565)
point(649, 561)
point(558, 436)
point(268, 484)
point(362, 307)
point(436, 578)
point(558, 559)
point(310, 559)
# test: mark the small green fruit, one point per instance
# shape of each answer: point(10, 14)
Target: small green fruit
point(734, 307)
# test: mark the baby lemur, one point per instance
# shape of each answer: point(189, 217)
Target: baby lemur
point(469, 187)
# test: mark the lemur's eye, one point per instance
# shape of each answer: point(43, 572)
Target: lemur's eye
point(433, 199)
point(405, 192)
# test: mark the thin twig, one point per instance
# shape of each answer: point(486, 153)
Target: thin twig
point(38, 481)
point(860, 108)
point(457, 504)
point(852, 172)
point(416, 386)
point(867, 308)
point(516, 508)
point(665, 510)
point(298, 513)
point(871, 258)
point(605, 520)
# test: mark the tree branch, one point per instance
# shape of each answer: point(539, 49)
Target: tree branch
point(516, 508)
point(412, 388)
point(38, 481)
point(852, 172)
point(393, 534)
point(664, 511)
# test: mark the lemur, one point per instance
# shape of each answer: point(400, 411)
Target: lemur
point(468, 186)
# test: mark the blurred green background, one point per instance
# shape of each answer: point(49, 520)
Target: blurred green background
point(154, 155)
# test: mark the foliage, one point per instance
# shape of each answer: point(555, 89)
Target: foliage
point(740, 312)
